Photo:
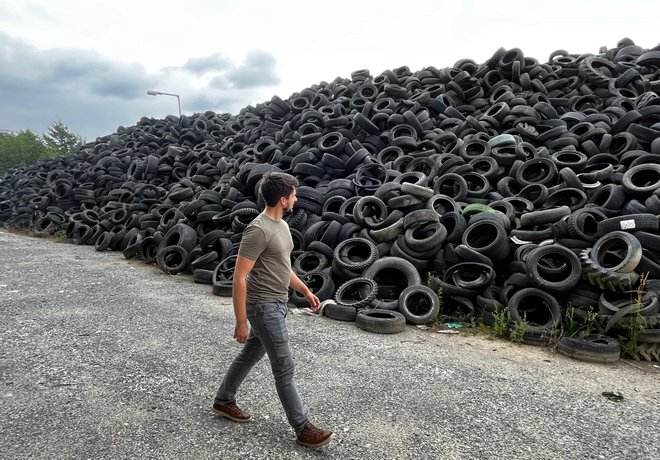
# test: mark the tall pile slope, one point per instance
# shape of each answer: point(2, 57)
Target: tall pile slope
point(510, 184)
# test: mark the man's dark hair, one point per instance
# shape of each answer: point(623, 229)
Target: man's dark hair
point(274, 185)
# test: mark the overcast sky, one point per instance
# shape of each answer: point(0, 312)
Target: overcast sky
point(89, 63)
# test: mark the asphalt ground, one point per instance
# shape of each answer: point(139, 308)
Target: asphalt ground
point(107, 358)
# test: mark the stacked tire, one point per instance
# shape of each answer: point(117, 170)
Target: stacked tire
point(479, 180)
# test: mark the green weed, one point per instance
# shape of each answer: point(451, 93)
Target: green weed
point(501, 319)
point(637, 322)
point(575, 325)
point(517, 332)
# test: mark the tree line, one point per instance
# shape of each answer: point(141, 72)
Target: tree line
point(24, 148)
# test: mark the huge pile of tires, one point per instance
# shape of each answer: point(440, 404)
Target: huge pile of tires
point(507, 184)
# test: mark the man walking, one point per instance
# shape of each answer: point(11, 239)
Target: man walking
point(261, 280)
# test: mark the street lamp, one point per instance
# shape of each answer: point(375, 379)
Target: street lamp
point(151, 92)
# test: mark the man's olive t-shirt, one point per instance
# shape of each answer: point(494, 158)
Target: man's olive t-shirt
point(269, 244)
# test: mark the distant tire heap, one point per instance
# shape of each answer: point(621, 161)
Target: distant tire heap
point(512, 183)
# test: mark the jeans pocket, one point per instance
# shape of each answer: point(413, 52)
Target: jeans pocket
point(251, 311)
point(273, 316)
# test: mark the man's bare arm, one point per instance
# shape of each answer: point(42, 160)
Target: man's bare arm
point(239, 296)
point(297, 284)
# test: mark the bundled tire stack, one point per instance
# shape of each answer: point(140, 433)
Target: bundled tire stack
point(507, 184)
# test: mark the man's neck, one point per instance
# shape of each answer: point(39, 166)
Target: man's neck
point(276, 212)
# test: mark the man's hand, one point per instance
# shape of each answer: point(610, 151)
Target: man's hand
point(299, 286)
point(313, 301)
point(241, 332)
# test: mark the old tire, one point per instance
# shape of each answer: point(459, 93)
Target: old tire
point(419, 304)
point(592, 348)
point(381, 321)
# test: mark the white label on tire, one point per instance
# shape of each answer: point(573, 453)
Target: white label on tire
point(627, 224)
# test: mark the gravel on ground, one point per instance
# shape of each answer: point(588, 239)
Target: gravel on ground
point(107, 358)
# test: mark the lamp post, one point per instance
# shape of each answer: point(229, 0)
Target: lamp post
point(151, 92)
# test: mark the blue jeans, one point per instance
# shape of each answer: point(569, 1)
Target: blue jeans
point(270, 335)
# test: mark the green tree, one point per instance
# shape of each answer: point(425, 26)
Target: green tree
point(22, 149)
point(60, 138)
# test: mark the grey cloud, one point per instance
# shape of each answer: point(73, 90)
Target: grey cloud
point(211, 63)
point(169, 69)
point(221, 103)
point(103, 77)
point(70, 70)
point(199, 103)
point(80, 87)
point(220, 82)
point(94, 95)
point(15, 58)
point(258, 70)
point(124, 82)
point(67, 64)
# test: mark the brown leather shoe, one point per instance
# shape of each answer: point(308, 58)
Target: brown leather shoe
point(232, 412)
point(314, 437)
